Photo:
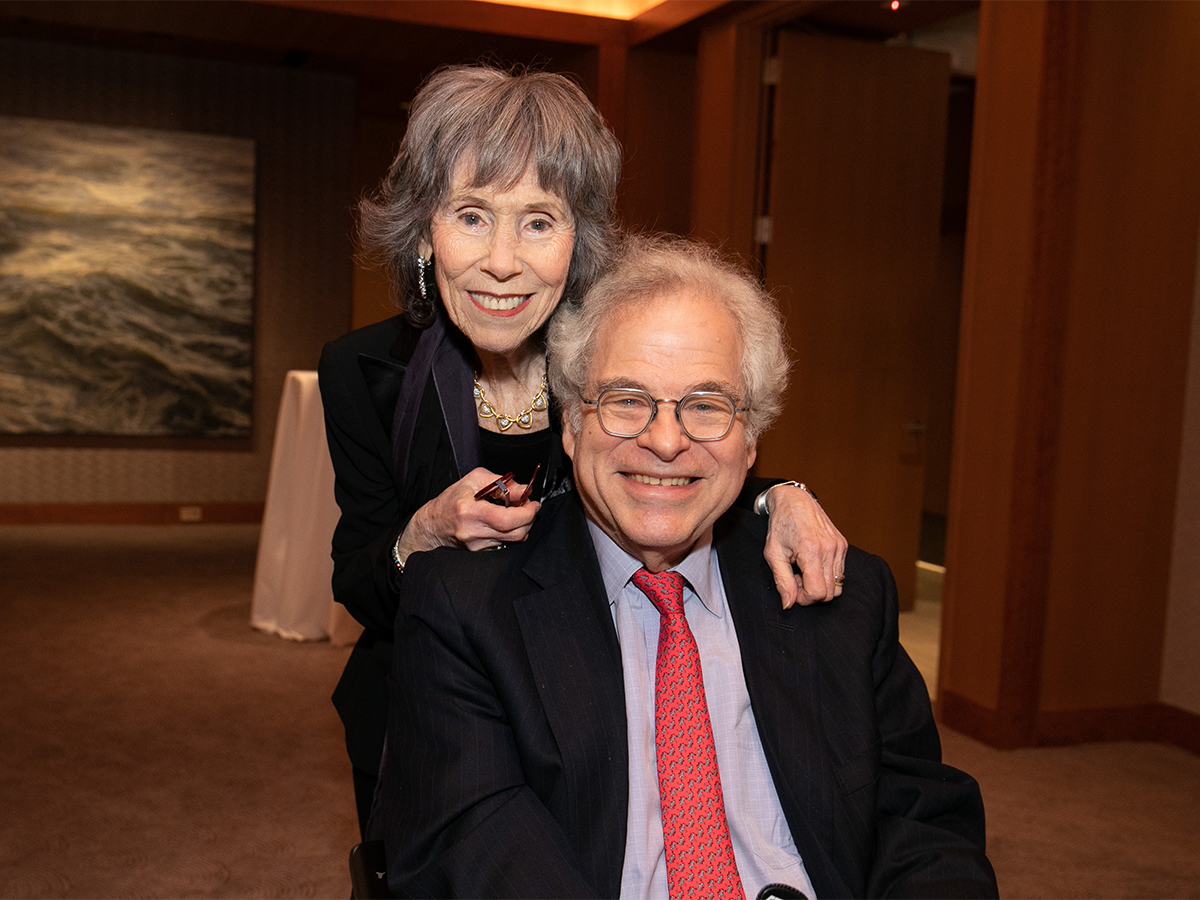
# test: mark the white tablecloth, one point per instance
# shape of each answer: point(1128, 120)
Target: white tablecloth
point(292, 594)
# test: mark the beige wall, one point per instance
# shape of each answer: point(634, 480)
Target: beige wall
point(303, 125)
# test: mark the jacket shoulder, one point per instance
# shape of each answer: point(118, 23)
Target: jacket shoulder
point(360, 366)
point(738, 524)
point(373, 340)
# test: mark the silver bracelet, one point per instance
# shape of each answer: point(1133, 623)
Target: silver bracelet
point(396, 555)
point(760, 502)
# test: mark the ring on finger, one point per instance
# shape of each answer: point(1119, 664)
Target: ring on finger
point(839, 581)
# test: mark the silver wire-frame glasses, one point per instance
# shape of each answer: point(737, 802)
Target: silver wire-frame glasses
point(703, 415)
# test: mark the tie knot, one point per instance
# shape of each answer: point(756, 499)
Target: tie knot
point(665, 589)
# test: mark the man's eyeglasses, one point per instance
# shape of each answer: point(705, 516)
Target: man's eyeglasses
point(703, 415)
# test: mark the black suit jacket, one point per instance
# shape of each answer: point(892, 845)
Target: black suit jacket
point(361, 375)
point(506, 771)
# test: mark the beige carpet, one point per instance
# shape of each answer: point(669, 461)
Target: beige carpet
point(153, 745)
point(921, 627)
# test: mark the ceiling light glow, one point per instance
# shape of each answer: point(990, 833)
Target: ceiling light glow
point(609, 9)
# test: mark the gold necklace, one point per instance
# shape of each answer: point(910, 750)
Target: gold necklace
point(523, 419)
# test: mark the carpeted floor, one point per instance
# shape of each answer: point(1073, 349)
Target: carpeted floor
point(153, 745)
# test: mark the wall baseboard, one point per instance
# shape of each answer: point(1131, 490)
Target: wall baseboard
point(1158, 722)
point(130, 513)
point(1083, 726)
point(971, 718)
point(1179, 727)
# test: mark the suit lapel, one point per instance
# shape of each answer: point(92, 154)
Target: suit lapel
point(572, 648)
point(778, 649)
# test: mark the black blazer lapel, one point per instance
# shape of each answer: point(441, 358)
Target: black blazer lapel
point(576, 661)
point(778, 650)
point(384, 378)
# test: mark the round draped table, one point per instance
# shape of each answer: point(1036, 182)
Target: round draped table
point(292, 593)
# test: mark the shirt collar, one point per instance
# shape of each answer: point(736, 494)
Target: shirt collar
point(617, 567)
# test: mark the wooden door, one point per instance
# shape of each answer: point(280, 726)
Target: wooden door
point(855, 199)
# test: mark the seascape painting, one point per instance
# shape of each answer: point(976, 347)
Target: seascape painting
point(126, 281)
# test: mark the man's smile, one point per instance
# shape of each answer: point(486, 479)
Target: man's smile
point(677, 481)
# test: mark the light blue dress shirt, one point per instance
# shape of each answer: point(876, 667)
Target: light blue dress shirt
point(762, 842)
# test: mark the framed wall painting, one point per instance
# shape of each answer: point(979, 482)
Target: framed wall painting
point(126, 281)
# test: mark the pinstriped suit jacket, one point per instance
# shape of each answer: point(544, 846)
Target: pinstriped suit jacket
point(505, 772)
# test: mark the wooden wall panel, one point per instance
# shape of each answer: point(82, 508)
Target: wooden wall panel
point(998, 260)
point(659, 124)
point(728, 79)
point(376, 141)
point(1081, 258)
point(1125, 355)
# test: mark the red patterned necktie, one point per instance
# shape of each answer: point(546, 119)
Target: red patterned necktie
point(699, 852)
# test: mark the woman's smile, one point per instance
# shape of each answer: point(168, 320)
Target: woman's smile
point(501, 304)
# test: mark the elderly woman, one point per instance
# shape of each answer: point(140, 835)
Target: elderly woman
point(498, 207)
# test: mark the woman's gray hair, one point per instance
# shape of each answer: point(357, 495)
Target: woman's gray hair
point(648, 267)
point(503, 122)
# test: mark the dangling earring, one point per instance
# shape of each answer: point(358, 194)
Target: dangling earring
point(421, 276)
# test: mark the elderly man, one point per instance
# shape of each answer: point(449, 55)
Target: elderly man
point(619, 706)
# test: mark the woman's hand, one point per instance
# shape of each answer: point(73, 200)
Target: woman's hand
point(454, 518)
point(800, 532)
